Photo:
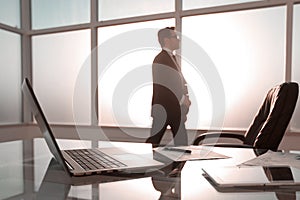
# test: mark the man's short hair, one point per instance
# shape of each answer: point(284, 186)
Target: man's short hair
point(164, 33)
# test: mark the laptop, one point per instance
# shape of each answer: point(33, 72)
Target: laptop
point(253, 176)
point(80, 162)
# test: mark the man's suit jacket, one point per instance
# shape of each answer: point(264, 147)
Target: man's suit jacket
point(168, 83)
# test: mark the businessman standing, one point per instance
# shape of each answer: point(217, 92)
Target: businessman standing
point(170, 100)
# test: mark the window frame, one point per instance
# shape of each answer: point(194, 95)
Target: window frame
point(27, 33)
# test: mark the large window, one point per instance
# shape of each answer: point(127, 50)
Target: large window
point(243, 41)
point(10, 78)
point(248, 51)
point(58, 59)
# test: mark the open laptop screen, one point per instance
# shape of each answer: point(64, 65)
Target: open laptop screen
point(42, 122)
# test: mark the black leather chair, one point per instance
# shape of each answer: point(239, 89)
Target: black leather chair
point(268, 126)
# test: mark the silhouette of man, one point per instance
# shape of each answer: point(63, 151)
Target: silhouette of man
point(170, 101)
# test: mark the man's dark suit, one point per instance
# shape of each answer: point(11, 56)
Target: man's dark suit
point(169, 87)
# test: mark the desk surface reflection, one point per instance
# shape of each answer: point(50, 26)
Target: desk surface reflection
point(28, 171)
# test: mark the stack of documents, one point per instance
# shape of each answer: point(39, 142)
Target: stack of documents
point(271, 158)
point(184, 153)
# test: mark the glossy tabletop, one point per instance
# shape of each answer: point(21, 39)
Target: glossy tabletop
point(28, 171)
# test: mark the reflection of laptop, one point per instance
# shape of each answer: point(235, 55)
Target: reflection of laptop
point(55, 179)
point(253, 176)
point(79, 162)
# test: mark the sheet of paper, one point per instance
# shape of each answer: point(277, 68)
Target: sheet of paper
point(197, 153)
point(271, 158)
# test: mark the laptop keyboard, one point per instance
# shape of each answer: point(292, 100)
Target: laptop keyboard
point(93, 159)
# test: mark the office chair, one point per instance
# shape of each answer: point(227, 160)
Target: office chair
point(268, 126)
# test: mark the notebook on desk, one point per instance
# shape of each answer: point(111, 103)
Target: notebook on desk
point(254, 176)
point(79, 162)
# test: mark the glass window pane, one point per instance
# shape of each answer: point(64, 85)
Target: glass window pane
point(247, 49)
point(126, 53)
point(55, 13)
point(192, 4)
point(61, 66)
point(10, 78)
point(10, 12)
point(295, 125)
point(131, 8)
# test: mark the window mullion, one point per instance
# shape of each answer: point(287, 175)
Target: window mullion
point(26, 53)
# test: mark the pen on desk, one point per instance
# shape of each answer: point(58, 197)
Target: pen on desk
point(178, 150)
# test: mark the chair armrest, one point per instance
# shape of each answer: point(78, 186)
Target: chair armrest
point(218, 135)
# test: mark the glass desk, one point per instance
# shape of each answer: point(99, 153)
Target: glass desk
point(28, 171)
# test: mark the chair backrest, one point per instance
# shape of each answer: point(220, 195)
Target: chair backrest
point(273, 117)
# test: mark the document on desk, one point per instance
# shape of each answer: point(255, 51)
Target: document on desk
point(184, 153)
point(271, 158)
